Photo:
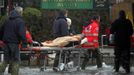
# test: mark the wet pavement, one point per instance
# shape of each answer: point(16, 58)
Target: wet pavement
point(107, 69)
point(90, 70)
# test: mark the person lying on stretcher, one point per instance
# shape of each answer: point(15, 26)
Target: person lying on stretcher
point(62, 41)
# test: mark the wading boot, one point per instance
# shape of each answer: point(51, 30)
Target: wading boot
point(15, 68)
point(2, 67)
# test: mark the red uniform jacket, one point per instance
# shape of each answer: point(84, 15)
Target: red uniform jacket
point(91, 33)
point(28, 37)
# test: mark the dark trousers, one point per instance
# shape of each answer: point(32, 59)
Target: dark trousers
point(56, 60)
point(87, 55)
point(11, 57)
point(122, 58)
point(64, 56)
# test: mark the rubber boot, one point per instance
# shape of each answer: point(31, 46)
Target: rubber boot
point(15, 68)
point(9, 68)
point(126, 67)
point(117, 65)
point(84, 63)
point(2, 67)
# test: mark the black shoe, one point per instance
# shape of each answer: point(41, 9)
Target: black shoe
point(116, 70)
point(99, 66)
point(127, 71)
point(56, 69)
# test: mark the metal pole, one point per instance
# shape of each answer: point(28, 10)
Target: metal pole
point(102, 40)
point(1, 56)
point(79, 58)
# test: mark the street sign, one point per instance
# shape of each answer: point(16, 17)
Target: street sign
point(1, 3)
point(67, 4)
point(101, 4)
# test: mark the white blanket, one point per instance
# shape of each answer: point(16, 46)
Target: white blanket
point(62, 41)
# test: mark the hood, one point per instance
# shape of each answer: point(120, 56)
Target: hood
point(14, 14)
point(61, 16)
point(122, 14)
point(95, 21)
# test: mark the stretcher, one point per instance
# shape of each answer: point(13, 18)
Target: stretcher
point(61, 50)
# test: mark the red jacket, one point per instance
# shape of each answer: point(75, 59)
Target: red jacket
point(91, 33)
point(28, 37)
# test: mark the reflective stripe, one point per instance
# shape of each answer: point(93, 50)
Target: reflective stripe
point(91, 34)
point(95, 40)
point(91, 43)
point(88, 34)
point(95, 34)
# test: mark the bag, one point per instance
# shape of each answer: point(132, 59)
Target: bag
point(111, 39)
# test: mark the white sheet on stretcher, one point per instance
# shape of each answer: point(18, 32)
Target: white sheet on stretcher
point(42, 48)
point(62, 41)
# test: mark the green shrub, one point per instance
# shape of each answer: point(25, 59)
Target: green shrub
point(3, 19)
point(32, 17)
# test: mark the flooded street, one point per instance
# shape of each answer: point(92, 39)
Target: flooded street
point(90, 70)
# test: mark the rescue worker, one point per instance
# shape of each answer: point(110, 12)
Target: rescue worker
point(60, 28)
point(29, 41)
point(91, 33)
point(14, 33)
point(29, 37)
point(122, 30)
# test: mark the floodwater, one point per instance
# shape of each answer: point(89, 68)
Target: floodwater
point(90, 70)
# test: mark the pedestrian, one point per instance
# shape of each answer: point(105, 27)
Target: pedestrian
point(1, 34)
point(14, 33)
point(122, 30)
point(60, 29)
point(70, 28)
point(69, 56)
point(91, 33)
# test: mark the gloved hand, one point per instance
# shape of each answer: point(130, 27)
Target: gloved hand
point(83, 41)
point(35, 43)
